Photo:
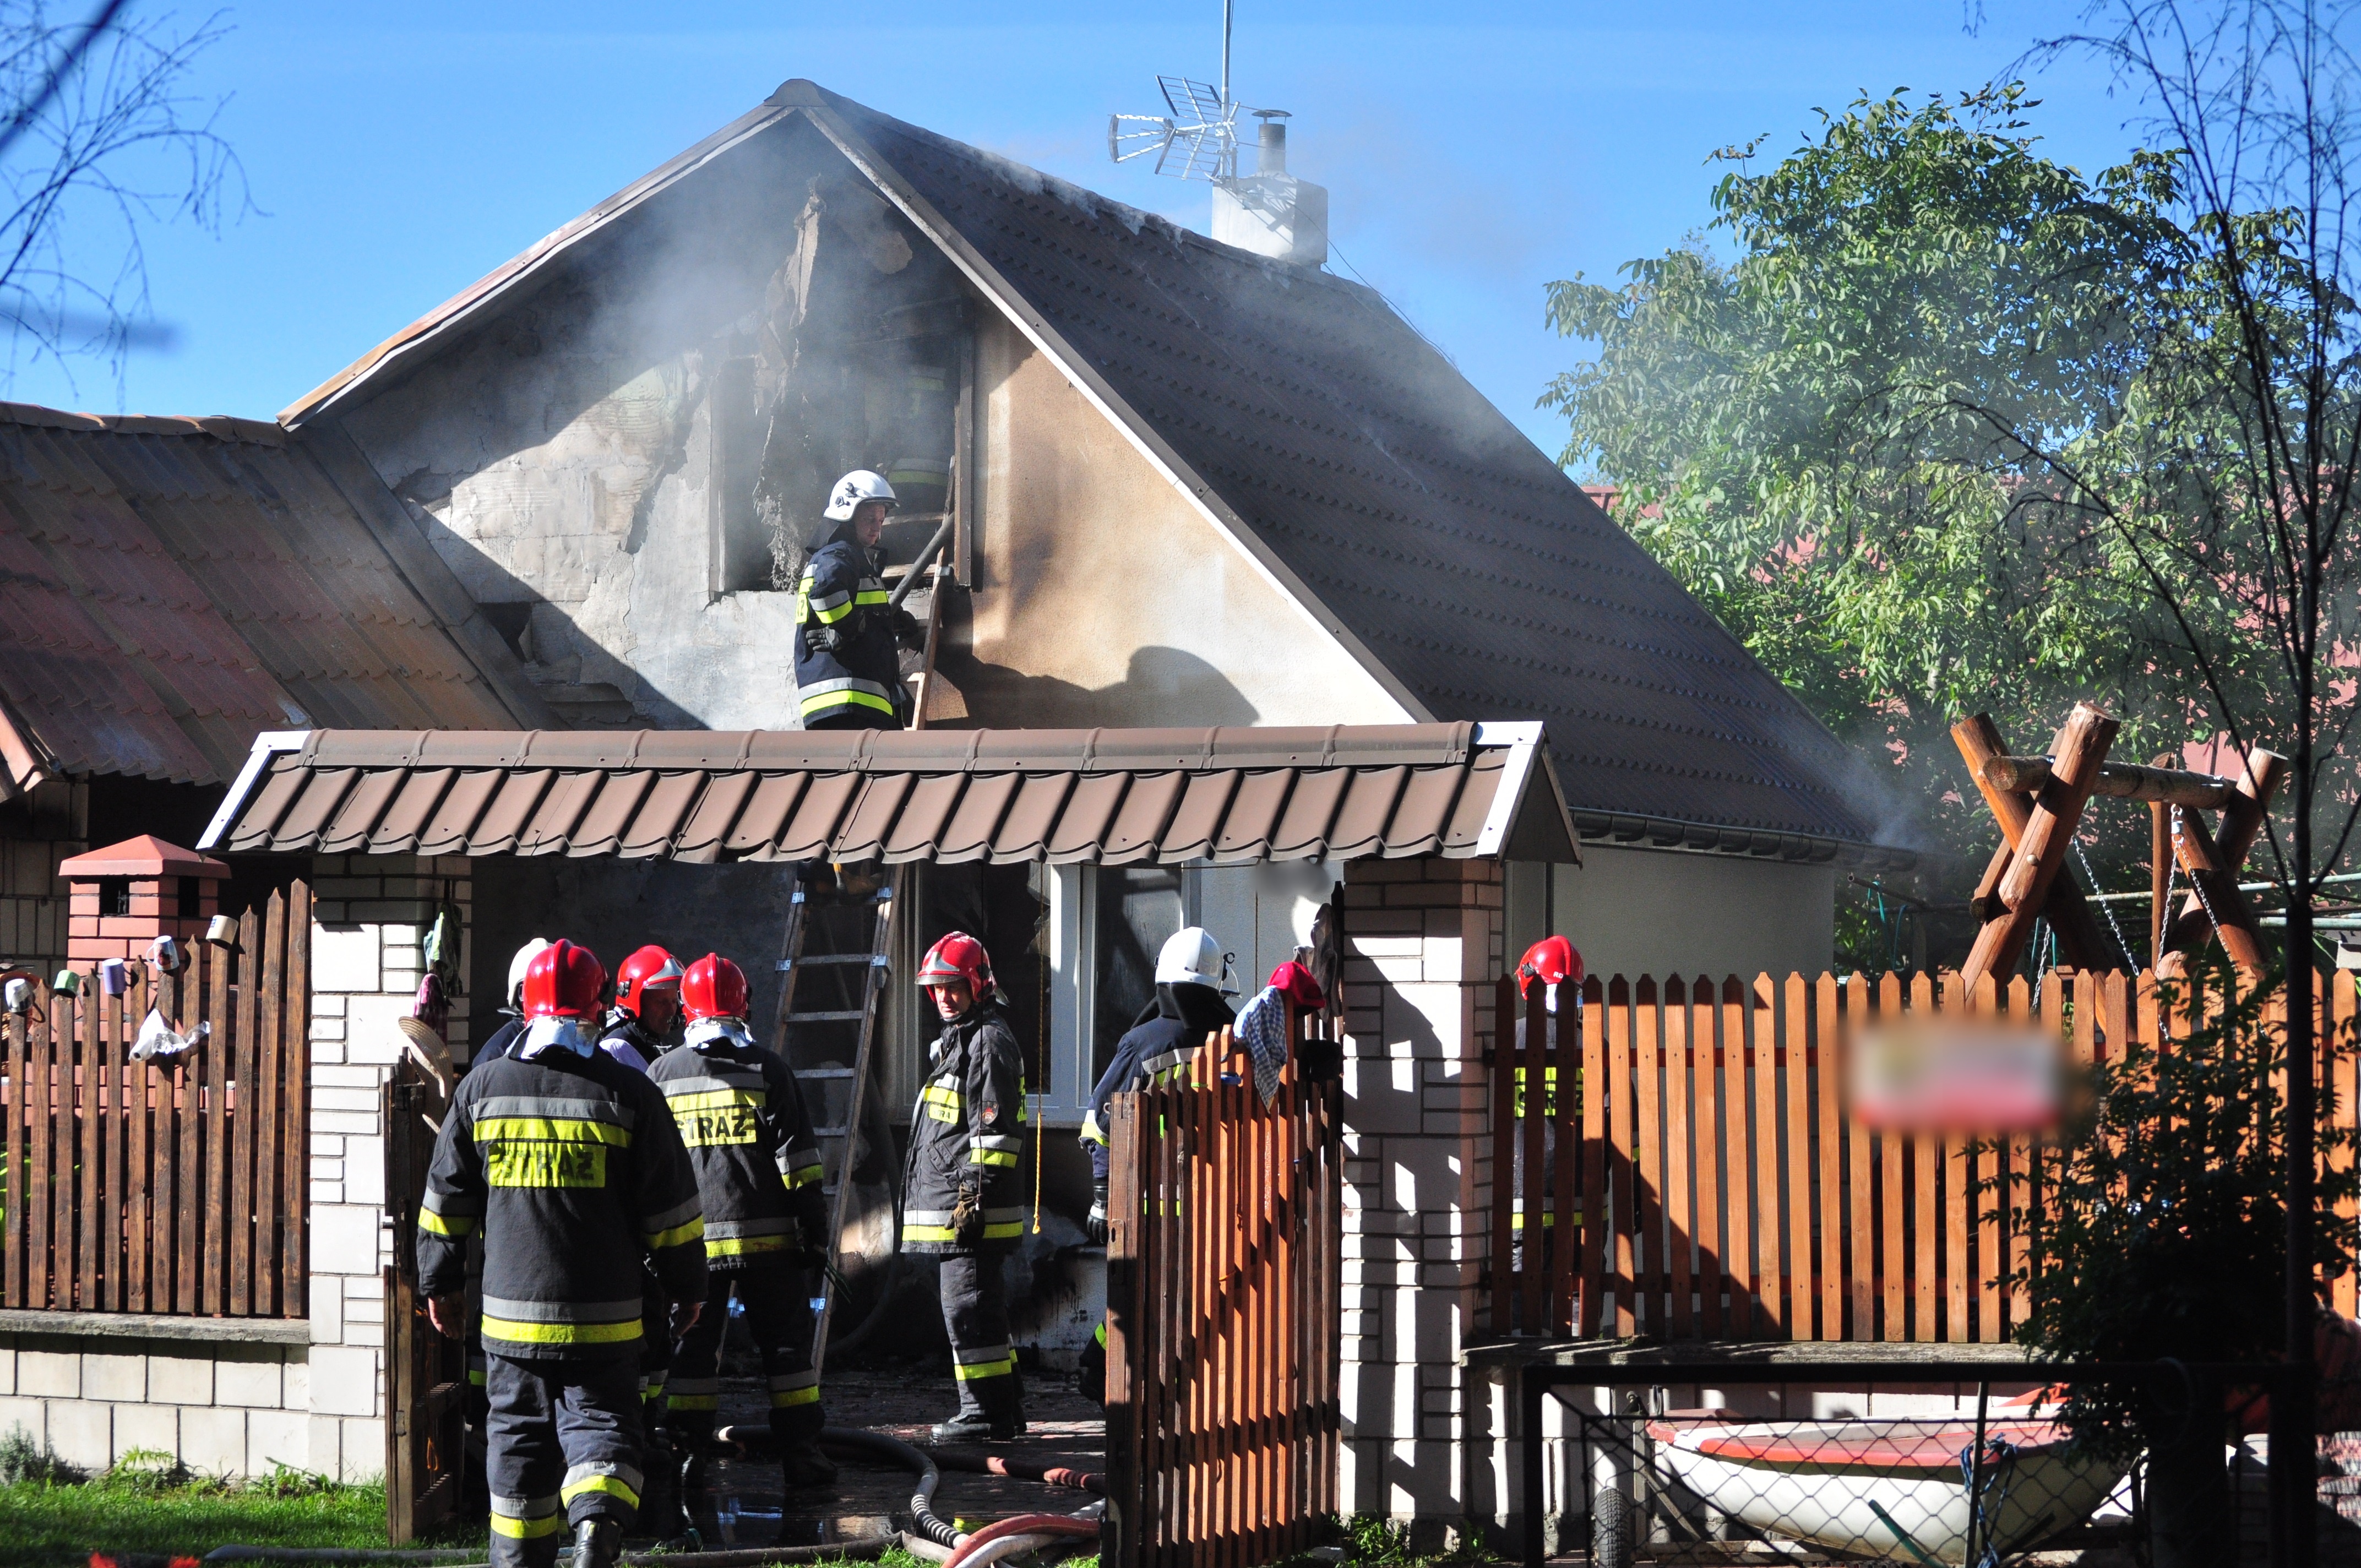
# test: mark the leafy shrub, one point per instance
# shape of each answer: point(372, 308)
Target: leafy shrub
point(22, 1459)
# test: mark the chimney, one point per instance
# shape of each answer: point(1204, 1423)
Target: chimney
point(1271, 212)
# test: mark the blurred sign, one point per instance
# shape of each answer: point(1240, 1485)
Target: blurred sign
point(1957, 1077)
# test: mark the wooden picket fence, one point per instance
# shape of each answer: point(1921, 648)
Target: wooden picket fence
point(1224, 1313)
point(134, 1188)
point(1686, 1152)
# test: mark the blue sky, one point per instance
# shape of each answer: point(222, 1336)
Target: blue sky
point(1474, 150)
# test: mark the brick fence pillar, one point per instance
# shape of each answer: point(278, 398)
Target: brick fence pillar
point(1423, 953)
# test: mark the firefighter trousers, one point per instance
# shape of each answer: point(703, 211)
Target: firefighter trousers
point(975, 1315)
point(564, 1447)
point(779, 1317)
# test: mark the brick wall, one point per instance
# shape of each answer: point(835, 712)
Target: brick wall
point(1424, 949)
point(225, 1408)
point(370, 917)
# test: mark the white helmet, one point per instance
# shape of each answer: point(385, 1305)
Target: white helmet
point(518, 964)
point(860, 484)
point(1191, 957)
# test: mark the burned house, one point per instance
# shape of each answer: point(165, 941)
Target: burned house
point(1188, 491)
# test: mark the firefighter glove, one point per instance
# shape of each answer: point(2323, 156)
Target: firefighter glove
point(967, 1214)
point(825, 638)
point(908, 632)
point(1095, 1227)
point(811, 1220)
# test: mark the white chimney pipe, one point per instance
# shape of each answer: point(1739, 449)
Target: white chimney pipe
point(1271, 212)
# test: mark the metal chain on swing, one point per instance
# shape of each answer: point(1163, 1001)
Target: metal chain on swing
point(2106, 908)
point(2196, 882)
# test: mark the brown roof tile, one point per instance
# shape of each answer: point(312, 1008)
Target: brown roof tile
point(1232, 795)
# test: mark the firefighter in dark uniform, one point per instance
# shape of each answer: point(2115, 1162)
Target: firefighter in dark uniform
point(963, 1201)
point(638, 1028)
point(758, 1171)
point(848, 672)
point(1193, 976)
point(569, 1164)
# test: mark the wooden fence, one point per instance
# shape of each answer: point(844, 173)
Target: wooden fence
point(1224, 1295)
point(1683, 1152)
point(134, 1188)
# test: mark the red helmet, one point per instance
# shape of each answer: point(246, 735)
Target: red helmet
point(958, 957)
point(713, 988)
point(564, 982)
point(1550, 961)
point(651, 968)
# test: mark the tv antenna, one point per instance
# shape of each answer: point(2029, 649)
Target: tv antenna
point(1198, 139)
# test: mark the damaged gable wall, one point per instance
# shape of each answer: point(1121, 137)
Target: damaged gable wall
point(563, 457)
point(625, 464)
point(1103, 596)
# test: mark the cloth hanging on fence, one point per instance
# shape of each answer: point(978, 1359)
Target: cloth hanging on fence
point(1263, 1025)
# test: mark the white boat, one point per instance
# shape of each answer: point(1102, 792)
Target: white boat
point(1887, 1488)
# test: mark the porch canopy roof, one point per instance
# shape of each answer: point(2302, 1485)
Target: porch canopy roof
point(1232, 795)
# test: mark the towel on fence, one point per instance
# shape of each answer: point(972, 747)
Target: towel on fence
point(1262, 1025)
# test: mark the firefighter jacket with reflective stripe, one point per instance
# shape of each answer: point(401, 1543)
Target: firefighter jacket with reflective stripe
point(570, 1167)
point(966, 1132)
point(742, 1116)
point(841, 592)
point(1154, 1049)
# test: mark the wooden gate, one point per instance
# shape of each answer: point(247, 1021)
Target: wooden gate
point(1224, 1285)
point(426, 1374)
point(175, 1185)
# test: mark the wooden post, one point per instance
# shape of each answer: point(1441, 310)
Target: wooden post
point(2242, 936)
point(1979, 740)
point(2080, 752)
point(2241, 824)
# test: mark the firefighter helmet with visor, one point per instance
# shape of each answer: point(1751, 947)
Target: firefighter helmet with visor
point(958, 957)
point(649, 968)
point(860, 484)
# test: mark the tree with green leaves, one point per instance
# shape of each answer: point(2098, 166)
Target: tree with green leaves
point(1803, 434)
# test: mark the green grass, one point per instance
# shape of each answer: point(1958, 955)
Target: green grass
point(148, 1503)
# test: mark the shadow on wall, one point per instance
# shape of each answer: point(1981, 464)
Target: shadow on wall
point(1161, 687)
point(614, 906)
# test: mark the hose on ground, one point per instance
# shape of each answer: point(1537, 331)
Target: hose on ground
point(970, 1463)
point(1009, 1537)
point(922, 1501)
point(867, 1546)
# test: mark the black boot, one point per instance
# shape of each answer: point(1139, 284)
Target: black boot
point(972, 1422)
point(1004, 1401)
point(598, 1542)
point(801, 1464)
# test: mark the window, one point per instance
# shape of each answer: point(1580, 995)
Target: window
point(184, 899)
point(1138, 908)
point(115, 896)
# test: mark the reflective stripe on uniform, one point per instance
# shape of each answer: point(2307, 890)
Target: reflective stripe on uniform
point(991, 1361)
point(616, 1480)
point(499, 1107)
point(1092, 1132)
point(673, 1225)
point(799, 1168)
point(526, 1519)
point(443, 1224)
point(790, 1388)
point(740, 1238)
point(694, 1394)
point(993, 1149)
point(561, 1322)
point(942, 1102)
point(847, 691)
